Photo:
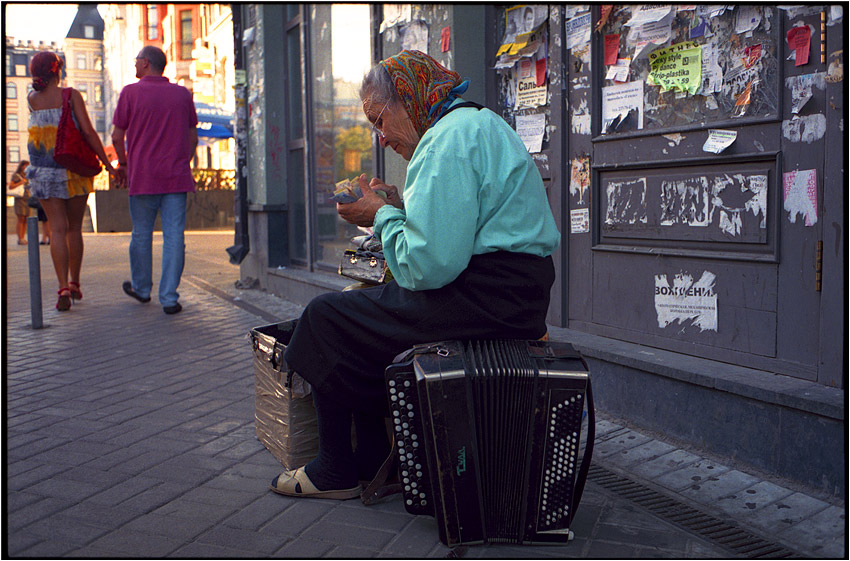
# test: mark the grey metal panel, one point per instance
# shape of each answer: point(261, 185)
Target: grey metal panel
point(578, 105)
point(745, 301)
point(799, 302)
point(832, 366)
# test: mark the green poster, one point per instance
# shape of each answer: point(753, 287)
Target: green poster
point(678, 67)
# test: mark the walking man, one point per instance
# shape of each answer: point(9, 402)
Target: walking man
point(158, 120)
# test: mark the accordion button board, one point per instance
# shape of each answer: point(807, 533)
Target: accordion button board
point(488, 436)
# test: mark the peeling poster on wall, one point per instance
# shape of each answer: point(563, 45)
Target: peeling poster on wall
point(801, 195)
point(579, 220)
point(686, 301)
point(579, 177)
point(626, 201)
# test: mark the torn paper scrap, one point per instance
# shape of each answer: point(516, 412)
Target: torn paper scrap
point(530, 129)
point(719, 140)
point(747, 18)
point(619, 72)
point(686, 300)
point(801, 195)
point(649, 13)
point(578, 30)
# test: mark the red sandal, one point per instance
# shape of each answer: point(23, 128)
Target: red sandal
point(64, 302)
point(76, 293)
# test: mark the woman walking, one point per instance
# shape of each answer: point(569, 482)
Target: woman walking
point(62, 193)
point(22, 211)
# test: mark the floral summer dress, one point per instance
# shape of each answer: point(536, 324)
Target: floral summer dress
point(47, 178)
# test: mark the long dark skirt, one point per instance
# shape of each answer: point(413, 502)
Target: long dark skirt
point(345, 340)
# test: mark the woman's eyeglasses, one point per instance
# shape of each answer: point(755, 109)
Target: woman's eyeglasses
point(375, 129)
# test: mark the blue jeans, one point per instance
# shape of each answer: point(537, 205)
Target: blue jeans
point(143, 210)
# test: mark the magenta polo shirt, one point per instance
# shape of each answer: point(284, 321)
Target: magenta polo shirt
point(158, 117)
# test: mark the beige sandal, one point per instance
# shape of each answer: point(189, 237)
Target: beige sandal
point(295, 483)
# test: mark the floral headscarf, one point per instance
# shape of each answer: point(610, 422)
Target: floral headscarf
point(426, 87)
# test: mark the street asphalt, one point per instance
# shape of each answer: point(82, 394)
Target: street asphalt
point(129, 433)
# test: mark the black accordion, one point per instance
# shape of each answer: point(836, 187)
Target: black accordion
point(487, 435)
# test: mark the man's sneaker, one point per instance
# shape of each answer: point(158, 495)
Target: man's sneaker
point(172, 309)
point(128, 290)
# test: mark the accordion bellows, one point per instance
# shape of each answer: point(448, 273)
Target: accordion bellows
point(488, 437)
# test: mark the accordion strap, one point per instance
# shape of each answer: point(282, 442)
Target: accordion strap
point(581, 477)
point(378, 487)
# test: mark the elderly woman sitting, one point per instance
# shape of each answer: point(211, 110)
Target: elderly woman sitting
point(469, 250)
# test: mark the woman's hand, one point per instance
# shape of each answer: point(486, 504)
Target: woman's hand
point(362, 211)
point(391, 191)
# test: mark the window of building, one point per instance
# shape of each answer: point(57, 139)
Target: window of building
point(100, 124)
point(14, 154)
point(340, 133)
point(9, 65)
point(11, 90)
point(84, 91)
point(29, 88)
point(88, 31)
point(98, 93)
point(12, 122)
point(153, 22)
point(98, 63)
point(81, 61)
point(186, 40)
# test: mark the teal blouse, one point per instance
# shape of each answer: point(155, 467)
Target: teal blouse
point(471, 188)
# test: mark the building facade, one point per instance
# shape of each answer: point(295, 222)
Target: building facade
point(83, 48)
point(695, 165)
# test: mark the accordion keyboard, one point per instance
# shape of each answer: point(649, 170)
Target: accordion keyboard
point(560, 460)
point(407, 431)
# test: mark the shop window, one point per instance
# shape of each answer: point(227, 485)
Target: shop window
point(11, 90)
point(342, 137)
point(153, 22)
point(186, 40)
point(686, 66)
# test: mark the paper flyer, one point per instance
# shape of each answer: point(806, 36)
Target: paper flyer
point(579, 178)
point(712, 74)
point(649, 13)
point(578, 30)
point(528, 93)
point(747, 18)
point(620, 103)
point(678, 67)
point(799, 40)
point(619, 72)
point(801, 195)
point(612, 48)
point(579, 221)
point(650, 35)
point(520, 24)
point(530, 129)
point(719, 140)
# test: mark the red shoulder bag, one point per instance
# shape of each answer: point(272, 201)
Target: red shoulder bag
point(72, 151)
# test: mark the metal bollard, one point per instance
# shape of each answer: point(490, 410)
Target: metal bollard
point(35, 272)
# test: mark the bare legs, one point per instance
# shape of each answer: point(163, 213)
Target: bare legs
point(21, 229)
point(65, 217)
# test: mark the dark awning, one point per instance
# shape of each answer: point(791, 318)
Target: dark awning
point(213, 122)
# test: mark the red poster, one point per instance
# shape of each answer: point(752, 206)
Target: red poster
point(800, 39)
point(612, 48)
point(751, 55)
point(541, 71)
point(445, 37)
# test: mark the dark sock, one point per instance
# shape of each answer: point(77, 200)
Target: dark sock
point(333, 468)
point(372, 444)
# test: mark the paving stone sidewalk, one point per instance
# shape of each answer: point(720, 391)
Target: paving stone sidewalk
point(130, 433)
